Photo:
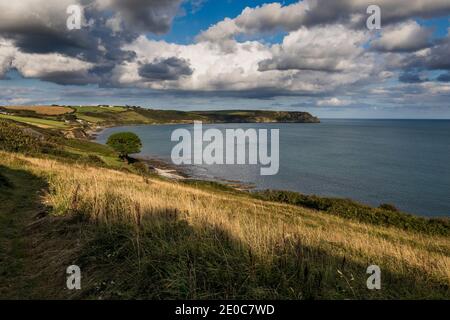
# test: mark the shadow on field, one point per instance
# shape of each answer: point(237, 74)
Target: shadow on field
point(20, 205)
point(166, 258)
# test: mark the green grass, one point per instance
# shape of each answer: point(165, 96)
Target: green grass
point(112, 118)
point(170, 116)
point(46, 123)
point(91, 119)
point(95, 114)
point(86, 146)
point(96, 109)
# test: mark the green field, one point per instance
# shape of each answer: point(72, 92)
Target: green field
point(43, 123)
point(98, 109)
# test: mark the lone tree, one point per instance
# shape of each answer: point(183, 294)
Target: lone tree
point(125, 143)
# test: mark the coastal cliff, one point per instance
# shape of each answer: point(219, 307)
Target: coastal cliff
point(256, 116)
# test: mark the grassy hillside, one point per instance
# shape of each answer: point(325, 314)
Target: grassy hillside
point(121, 115)
point(133, 241)
point(28, 139)
point(239, 116)
point(69, 201)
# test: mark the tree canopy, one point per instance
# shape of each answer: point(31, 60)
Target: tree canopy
point(125, 143)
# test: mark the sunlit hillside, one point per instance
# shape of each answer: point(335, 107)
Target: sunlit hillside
point(143, 237)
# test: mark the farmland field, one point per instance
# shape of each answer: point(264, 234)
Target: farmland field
point(43, 123)
point(98, 109)
point(43, 110)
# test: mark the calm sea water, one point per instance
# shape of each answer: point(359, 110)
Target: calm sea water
point(402, 162)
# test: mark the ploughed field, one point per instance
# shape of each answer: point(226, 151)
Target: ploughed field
point(42, 110)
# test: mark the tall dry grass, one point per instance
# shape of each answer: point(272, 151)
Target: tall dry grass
point(276, 234)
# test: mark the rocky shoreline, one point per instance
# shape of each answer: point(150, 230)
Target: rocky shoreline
point(170, 171)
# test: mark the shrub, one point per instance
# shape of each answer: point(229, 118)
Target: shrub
point(95, 160)
point(69, 117)
point(388, 207)
point(141, 168)
point(14, 139)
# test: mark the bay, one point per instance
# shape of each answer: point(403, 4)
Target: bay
point(401, 162)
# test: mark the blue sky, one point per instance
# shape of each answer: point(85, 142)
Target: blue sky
point(212, 54)
point(192, 20)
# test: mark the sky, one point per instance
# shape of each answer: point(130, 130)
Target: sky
point(312, 55)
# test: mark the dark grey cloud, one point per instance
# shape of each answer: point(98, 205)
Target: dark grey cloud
point(71, 77)
point(445, 77)
point(284, 63)
point(411, 77)
point(439, 56)
point(165, 69)
point(436, 58)
point(324, 11)
point(413, 66)
point(147, 15)
point(40, 27)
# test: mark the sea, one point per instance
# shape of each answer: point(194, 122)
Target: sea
point(401, 162)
